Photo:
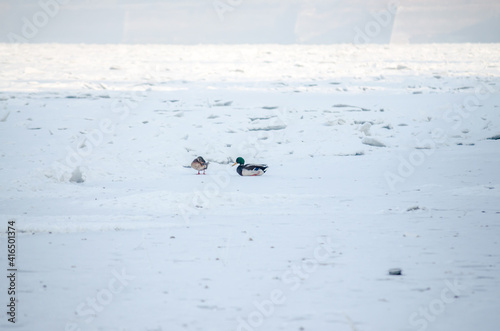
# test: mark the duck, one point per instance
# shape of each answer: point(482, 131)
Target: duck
point(199, 164)
point(249, 169)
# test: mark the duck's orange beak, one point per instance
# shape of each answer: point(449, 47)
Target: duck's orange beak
point(235, 163)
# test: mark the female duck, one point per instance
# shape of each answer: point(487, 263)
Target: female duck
point(249, 169)
point(199, 164)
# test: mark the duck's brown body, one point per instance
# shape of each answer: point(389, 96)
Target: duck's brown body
point(199, 164)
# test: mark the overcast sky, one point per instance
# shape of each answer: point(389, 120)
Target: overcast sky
point(249, 21)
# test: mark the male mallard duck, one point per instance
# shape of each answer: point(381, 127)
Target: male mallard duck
point(199, 164)
point(249, 169)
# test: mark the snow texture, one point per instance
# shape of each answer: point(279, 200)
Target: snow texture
point(116, 232)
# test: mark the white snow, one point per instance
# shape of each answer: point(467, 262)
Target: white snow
point(116, 232)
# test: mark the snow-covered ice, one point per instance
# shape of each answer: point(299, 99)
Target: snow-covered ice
point(379, 157)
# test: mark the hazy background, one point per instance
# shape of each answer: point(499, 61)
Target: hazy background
point(249, 21)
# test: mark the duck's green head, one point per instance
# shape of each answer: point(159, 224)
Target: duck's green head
point(239, 160)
